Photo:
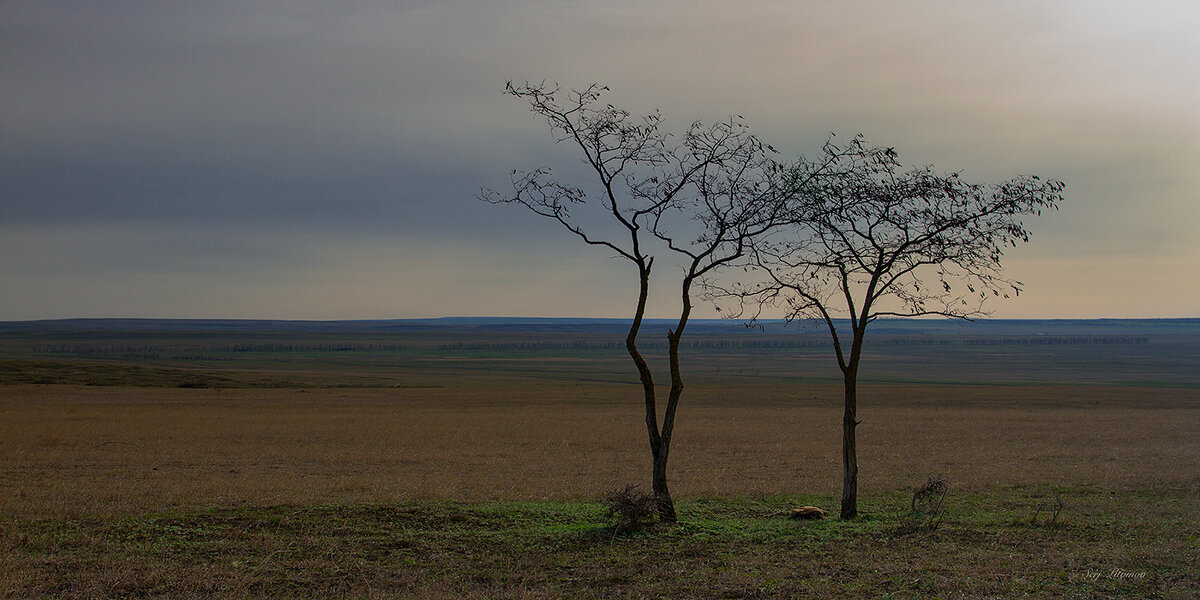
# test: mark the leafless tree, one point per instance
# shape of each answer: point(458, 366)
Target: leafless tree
point(865, 239)
point(702, 195)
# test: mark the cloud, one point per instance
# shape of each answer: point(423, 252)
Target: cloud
point(127, 271)
point(205, 130)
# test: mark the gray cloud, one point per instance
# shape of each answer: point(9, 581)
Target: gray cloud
point(264, 130)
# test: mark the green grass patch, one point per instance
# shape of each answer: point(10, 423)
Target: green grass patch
point(1106, 544)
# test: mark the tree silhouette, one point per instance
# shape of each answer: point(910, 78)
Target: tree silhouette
point(702, 195)
point(864, 239)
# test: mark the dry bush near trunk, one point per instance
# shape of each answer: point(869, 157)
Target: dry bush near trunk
point(632, 508)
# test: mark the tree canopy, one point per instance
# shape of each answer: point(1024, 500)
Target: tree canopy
point(863, 239)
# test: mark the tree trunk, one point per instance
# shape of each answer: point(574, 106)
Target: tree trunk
point(666, 506)
point(660, 443)
point(849, 452)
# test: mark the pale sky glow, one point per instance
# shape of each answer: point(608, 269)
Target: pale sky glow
point(320, 160)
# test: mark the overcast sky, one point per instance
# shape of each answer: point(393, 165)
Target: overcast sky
point(320, 160)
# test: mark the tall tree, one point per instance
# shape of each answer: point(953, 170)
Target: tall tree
point(703, 196)
point(865, 239)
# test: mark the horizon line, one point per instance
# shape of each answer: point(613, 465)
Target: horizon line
point(511, 319)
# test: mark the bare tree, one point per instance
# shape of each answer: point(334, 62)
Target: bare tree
point(865, 240)
point(703, 196)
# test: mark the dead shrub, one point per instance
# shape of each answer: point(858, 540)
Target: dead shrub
point(631, 507)
point(925, 510)
point(1052, 509)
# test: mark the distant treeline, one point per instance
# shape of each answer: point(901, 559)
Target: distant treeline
point(1052, 340)
point(221, 351)
point(593, 345)
point(797, 343)
point(152, 351)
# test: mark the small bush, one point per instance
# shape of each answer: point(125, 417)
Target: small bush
point(632, 508)
point(925, 510)
point(1052, 509)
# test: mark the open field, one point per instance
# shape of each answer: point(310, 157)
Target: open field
point(470, 492)
point(423, 466)
point(249, 354)
point(71, 450)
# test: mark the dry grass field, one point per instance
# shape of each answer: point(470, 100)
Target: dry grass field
point(70, 450)
point(491, 492)
point(412, 467)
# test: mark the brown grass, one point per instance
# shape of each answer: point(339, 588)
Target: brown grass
point(125, 492)
point(68, 450)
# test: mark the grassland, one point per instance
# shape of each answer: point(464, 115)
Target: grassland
point(443, 465)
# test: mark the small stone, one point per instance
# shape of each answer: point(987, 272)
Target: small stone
point(808, 513)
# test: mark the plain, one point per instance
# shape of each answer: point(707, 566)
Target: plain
point(471, 464)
